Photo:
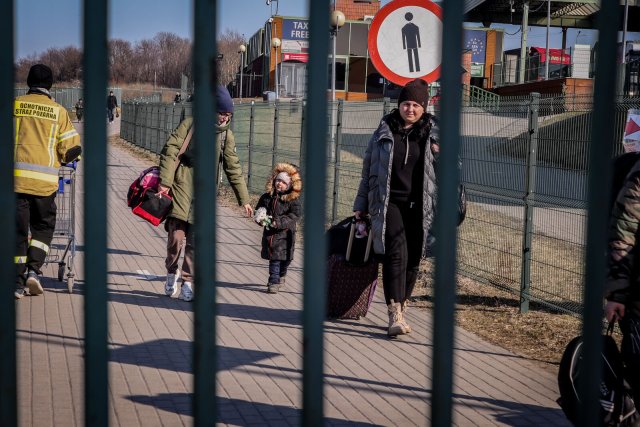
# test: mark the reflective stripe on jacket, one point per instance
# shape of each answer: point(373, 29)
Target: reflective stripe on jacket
point(43, 135)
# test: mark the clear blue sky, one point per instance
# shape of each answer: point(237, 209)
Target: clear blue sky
point(136, 20)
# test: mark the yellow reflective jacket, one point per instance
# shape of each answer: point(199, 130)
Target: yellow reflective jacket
point(44, 134)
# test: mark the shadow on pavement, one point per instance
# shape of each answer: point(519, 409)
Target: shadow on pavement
point(176, 355)
point(238, 412)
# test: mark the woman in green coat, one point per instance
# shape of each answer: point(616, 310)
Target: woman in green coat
point(179, 183)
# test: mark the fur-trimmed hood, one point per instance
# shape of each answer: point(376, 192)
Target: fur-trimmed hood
point(294, 190)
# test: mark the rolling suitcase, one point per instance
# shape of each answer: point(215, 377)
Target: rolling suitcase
point(352, 273)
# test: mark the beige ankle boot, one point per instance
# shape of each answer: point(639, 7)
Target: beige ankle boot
point(405, 324)
point(396, 322)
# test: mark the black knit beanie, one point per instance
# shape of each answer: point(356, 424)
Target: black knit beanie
point(416, 91)
point(40, 76)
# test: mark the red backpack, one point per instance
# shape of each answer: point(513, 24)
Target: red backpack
point(144, 200)
point(143, 197)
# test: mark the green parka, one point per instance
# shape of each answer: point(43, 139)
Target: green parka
point(181, 183)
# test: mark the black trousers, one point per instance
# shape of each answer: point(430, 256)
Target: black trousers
point(38, 214)
point(403, 250)
point(630, 326)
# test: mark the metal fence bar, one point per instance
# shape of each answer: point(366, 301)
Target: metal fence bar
point(95, 214)
point(8, 390)
point(598, 190)
point(529, 202)
point(205, 145)
point(251, 137)
point(276, 132)
point(315, 173)
point(445, 250)
point(336, 169)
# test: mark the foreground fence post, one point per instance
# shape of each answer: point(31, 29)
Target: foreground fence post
point(206, 147)
point(315, 178)
point(8, 390)
point(446, 220)
point(95, 69)
point(529, 201)
point(598, 187)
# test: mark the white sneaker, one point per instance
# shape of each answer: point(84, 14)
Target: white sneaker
point(33, 283)
point(171, 285)
point(186, 292)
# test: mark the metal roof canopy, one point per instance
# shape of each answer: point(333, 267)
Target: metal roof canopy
point(564, 13)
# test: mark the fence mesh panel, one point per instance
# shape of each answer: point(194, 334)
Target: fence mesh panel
point(495, 142)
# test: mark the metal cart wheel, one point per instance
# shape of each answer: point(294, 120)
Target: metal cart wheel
point(70, 284)
point(61, 267)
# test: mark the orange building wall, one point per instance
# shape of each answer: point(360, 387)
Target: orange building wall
point(490, 57)
point(466, 64)
point(277, 20)
point(357, 11)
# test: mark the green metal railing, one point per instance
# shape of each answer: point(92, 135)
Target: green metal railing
point(474, 96)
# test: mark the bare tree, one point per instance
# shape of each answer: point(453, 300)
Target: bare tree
point(228, 66)
point(175, 55)
point(120, 60)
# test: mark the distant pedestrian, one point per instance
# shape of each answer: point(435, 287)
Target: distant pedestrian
point(79, 109)
point(278, 211)
point(112, 104)
point(179, 182)
point(178, 98)
point(44, 139)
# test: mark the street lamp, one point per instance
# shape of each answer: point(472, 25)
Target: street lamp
point(241, 49)
point(276, 42)
point(337, 21)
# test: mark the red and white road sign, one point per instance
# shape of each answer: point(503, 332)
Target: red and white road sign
point(631, 138)
point(405, 41)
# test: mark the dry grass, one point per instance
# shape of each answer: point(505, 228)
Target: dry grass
point(493, 314)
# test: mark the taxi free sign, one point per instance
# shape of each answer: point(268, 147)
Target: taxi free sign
point(405, 41)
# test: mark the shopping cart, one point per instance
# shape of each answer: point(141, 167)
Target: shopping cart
point(63, 246)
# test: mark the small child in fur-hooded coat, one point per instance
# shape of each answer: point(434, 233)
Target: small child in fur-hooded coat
point(282, 204)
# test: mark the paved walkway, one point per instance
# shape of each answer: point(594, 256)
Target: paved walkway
point(370, 380)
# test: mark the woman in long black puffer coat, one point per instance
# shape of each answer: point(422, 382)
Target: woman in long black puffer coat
point(278, 211)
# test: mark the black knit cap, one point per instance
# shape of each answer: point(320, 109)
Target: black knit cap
point(416, 91)
point(40, 76)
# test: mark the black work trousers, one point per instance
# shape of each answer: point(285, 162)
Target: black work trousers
point(630, 326)
point(38, 214)
point(403, 250)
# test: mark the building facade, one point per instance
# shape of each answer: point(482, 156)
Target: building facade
point(275, 63)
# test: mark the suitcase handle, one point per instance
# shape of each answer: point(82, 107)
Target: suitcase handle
point(352, 234)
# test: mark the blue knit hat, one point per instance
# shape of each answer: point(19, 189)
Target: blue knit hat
point(223, 100)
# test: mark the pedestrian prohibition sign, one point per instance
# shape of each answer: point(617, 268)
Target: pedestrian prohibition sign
point(405, 41)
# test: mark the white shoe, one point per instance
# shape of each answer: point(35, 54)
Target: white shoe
point(33, 283)
point(186, 292)
point(171, 285)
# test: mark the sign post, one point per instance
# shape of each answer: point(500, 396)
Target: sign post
point(405, 41)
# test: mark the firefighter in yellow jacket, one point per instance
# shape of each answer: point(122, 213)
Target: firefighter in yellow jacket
point(44, 138)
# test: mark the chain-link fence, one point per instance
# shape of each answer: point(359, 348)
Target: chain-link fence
point(524, 166)
point(68, 96)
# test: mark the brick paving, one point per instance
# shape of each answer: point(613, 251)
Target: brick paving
point(369, 379)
